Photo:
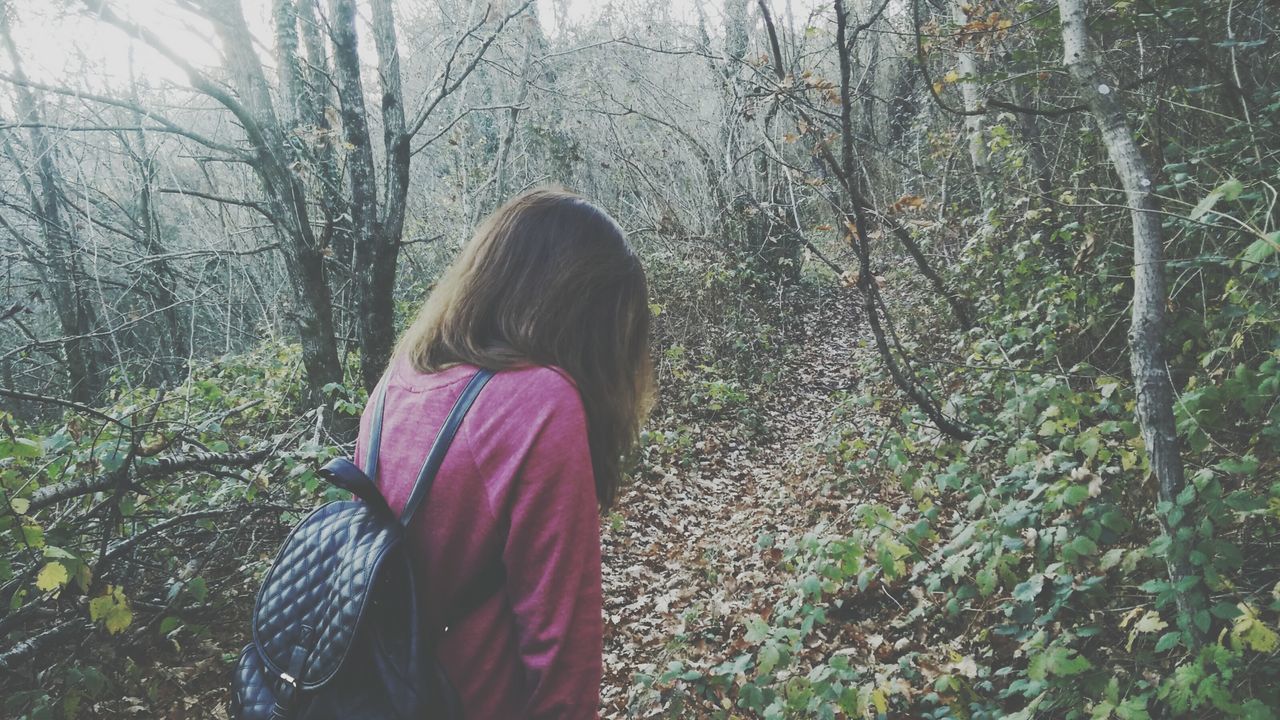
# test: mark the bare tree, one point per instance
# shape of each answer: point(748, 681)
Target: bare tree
point(1147, 327)
point(58, 260)
point(856, 212)
point(249, 99)
point(292, 153)
point(967, 65)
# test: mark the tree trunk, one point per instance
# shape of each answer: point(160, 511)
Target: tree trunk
point(316, 102)
point(360, 170)
point(513, 117)
point(967, 65)
point(286, 196)
point(380, 331)
point(160, 277)
point(77, 317)
point(377, 239)
point(1146, 331)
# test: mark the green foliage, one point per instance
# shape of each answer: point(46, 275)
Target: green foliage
point(1032, 560)
point(152, 523)
point(1025, 573)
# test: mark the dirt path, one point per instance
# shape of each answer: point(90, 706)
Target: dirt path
point(683, 569)
point(683, 564)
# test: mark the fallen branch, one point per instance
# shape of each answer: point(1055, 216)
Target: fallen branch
point(17, 655)
point(84, 409)
point(128, 543)
point(52, 494)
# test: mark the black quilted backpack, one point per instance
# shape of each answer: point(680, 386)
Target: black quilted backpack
point(336, 627)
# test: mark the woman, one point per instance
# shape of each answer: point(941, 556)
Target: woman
point(548, 293)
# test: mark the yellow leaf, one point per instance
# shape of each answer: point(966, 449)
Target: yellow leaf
point(1129, 616)
point(937, 87)
point(20, 505)
point(52, 576)
point(951, 77)
point(119, 619)
point(1128, 459)
point(880, 700)
point(1151, 622)
point(83, 577)
point(112, 609)
point(1252, 632)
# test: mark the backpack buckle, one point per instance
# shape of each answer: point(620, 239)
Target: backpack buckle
point(289, 679)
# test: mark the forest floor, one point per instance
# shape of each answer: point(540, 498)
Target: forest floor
point(684, 561)
point(693, 549)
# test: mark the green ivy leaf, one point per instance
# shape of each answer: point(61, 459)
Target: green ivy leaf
point(1079, 547)
point(1027, 591)
point(1168, 641)
point(1260, 250)
point(1186, 495)
point(1229, 190)
point(1110, 559)
point(1057, 660)
point(769, 657)
point(757, 629)
point(199, 589)
point(25, 448)
point(1245, 465)
point(33, 535)
point(986, 580)
point(1075, 494)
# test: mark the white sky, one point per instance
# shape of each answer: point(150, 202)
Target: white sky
point(56, 43)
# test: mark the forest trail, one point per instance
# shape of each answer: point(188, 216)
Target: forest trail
point(683, 561)
point(205, 258)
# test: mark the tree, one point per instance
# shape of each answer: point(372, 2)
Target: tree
point(58, 260)
point(855, 211)
point(248, 98)
point(1147, 325)
point(967, 66)
point(370, 222)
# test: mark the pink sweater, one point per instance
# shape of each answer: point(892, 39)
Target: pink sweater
point(516, 485)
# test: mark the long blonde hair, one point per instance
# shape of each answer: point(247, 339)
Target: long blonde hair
point(549, 279)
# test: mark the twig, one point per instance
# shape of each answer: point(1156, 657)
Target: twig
point(52, 494)
point(17, 655)
point(84, 409)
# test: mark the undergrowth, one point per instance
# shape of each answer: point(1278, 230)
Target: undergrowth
point(1023, 573)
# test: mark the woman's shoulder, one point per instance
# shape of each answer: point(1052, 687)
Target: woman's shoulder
point(547, 379)
point(516, 382)
point(525, 414)
point(528, 396)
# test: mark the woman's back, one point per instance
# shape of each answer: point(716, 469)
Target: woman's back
point(516, 487)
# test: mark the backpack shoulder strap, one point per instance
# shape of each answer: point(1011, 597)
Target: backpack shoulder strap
point(430, 466)
point(375, 433)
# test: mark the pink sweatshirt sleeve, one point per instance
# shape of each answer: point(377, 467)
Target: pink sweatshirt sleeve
point(552, 556)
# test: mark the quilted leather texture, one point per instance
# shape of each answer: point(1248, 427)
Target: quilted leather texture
point(338, 609)
point(374, 686)
point(253, 696)
point(322, 578)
